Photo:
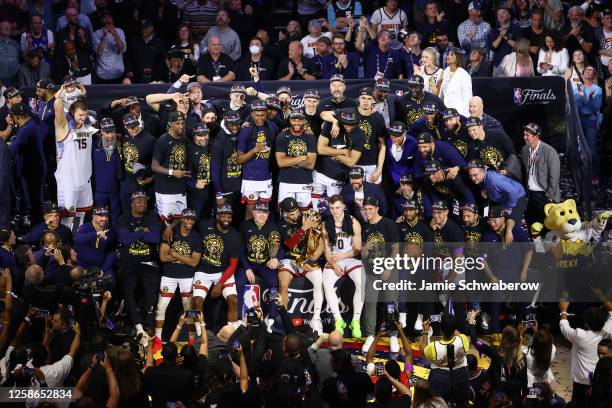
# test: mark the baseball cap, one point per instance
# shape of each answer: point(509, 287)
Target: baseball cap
point(425, 137)
point(232, 117)
point(45, 84)
point(397, 128)
point(139, 194)
point(430, 108)
point(474, 5)
point(107, 125)
point(258, 106)
point(366, 90)
point(225, 209)
point(272, 102)
point(415, 80)
point(261, 206)
point(188, 213)
point(469, 207)
point(406, 178)
point(476, 164)
point(297, 114)
point(289, 204)
point(473, 121)
point(238, 88)
point(175, 53)
point(315, 23)
point(356, 172)
point(336, 77)
point(312, 93)
point(145, 22)
point(348, 117)
point(175, 117)
point(201, 129)
point(439, 205)
point(69, 80)
point(534, 129)
point(50, 207)
point(11, 92)
point(496, 211)
point(449, 113)
point(193, 85)
point(432, 167)
point(100, 211)
point(382, 84)
point(371, 200)
point(130, 121)
point(20, 109)
point(283, 89)
point(410, 205)
point(132, 100)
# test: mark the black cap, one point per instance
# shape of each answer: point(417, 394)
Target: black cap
point(449, 113)
point(371, 200)
point(283, 89)
point(430, 108)
point(336, 77)
point(258, 106)
point(297, 114)
point(356, 172)
point(69, 80)
point(432, 167)
point(130, 121)
point(107, 125)
point(100, 211)
point(407, 178)
point(233, 118)
point(476, 164)
point(606, 12)
point(11, 92)
point(131, 101)
point(238, 88)
point(469, 207)
point(410, 205)
point(175, 53)
point(5, 234)
point(139, 194)
point(473, 121)
point(312, 93)
point(175, 117)
point(534, 129)
point(45, 84)
point(439, 205)
point(366, 91)
point(289, 204)
point(348, 116)
point(496, 211)
point(21, 109)
point(145, 22)
point(382, 84)
point(261, 206)
point(397, 128)
point(272, 102)
point(201, 129)
point(188, 213)
point(50, 207)
point(225, 209)
point(415, 80)
point(425, 137)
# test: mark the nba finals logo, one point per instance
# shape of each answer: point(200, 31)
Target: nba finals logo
point(529, 96)
point(518, 96)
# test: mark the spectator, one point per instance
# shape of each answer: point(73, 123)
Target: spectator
point(73, 62)
point(168, 381)
point(32, 70)
point(109, 43)
point(293, 32)
point(391, 18)
point(553, 59)
point(9, 52)
point(589, 97)
point(73, 17)
point(74, 31)
point(424, 397)
point(517, 63)
point(309, 43)
point(379, 60)
point(502, 40)
point(255, 66)
point(95, 16)
point(176, 66)
point(553, 14)
point(522, 13)
point(478, 66)
point(54, 373)
point(348, 388)
point(434, 21)
point(577, 34)
point(576, 68)
point(540, 356)
point(430, 70)
point(536, 34)
point(603, 35)
point(184, 41)
point(241, 20)
point(269, 50)
point(410, 53)
point(146, 55)
point(38, 39)
point(339, 12)
point(200, 15)
point(229, 39)
point(215, 65)
point(296, 66)
point(339, 60)
point(442, 47)
point(474, 32)
point(456, 88)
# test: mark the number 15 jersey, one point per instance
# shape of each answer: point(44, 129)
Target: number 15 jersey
point(74, 157)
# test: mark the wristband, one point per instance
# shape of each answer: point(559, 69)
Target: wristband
point(567, 314)
point(177, 84)
point(170, 172)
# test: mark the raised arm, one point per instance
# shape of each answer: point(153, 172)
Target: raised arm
point(61, 124)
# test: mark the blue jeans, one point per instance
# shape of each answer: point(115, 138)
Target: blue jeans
point(590, 128)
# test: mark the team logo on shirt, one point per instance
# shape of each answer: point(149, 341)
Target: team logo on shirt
point(234, 170)
point(462, 146)
point(413, 115)
point(261, 139)
point(413, 238)
point(296, 148)
point(139, 247)
point(130, 155)
point(491, 156)
point(258, 249)
point(204, 168)
point(181, 248)
point(366, 128)
point(214, 248)
point(442, 189)
point(177, 157)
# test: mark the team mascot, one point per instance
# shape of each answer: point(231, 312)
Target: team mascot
point(569, 241)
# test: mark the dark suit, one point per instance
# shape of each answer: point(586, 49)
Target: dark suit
point(484, 70)
point(391, 99)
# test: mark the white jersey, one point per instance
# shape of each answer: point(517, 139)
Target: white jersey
point(344, 241)
point(393, 23)
point(68, 98)
point(427, 78)
point(74, 158)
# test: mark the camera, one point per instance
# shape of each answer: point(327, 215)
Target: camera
point(93, 281)
point(252, 318)
point(270, 296)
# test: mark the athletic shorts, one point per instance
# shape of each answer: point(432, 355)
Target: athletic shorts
point(347, 265)
point(170, 205)
point(289, 265)
point(301, 192)
point(202, 282)
point(256, 190)
point(167, 286)
point(324, 186)
point(369, 170)
point(79, 199)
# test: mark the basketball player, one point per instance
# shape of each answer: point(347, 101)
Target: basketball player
point(342, 236)
point(73, 138)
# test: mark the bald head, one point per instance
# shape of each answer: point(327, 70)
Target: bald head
point(34, 275)
point(225, 333)
point(476, 106)
point(335, 340)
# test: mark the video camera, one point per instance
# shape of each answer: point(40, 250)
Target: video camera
point(93, 281)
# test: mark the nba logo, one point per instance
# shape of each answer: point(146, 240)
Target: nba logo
point(518, 96)
point(32, 104)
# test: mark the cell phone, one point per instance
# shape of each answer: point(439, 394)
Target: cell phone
point(529, 323)
point(42, 313)
point(379, 369)
point(236, 344)
point(100, 357)
point(190, 314)
point(390, 307)
point(435, 318)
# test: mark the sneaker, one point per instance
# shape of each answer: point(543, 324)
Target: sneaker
point(367, 344)
point(355, 327)
point(316, 325)
point(394, 344)
point(418, 324)
point(340, 325)
point(484, 321)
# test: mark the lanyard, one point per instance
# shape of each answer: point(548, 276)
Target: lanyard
point(389, 59)
point(533, 155)
point(216, 67)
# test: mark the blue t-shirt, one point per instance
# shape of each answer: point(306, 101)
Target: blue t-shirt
point(258, 168)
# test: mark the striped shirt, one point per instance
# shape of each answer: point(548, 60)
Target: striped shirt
point(482, 29)
point(201, 16)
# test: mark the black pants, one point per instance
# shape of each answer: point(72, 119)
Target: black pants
point(535, 207)
point(580, 397)
point(147, 277)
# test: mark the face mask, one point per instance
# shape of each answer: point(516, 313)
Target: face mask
point(254, 49)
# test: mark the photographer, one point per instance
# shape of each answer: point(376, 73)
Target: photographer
point(37, 292)
point(51, 222)
point(59, 336)
point(95, 243)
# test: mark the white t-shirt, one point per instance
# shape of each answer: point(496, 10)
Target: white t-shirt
point(310, 44)
point(68, 98)
point(533, 374)
point(605, 59)
point(393, 23)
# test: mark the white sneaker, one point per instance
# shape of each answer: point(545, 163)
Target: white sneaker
point(484, 321)
point(269, 324)
point(402, 319)
point(394, 344)
point(316, 325)
point(367, 344)
point(418, 324)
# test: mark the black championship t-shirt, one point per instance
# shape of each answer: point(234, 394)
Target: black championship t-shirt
point(409, 110)
point(460, 140)
point(329, 104)
point(171, 153)
point(295, 146)
point(139, 250)
point(217, 247)
point(447, 239)
point(260, 241)
point(313, 123)
point(212, 69)
point(137, 149)
point(473, 236)
point(379, 235)
point(416, 233)
point(373, 128)
point(493, 150)
point(182, 245)
point(329, 165)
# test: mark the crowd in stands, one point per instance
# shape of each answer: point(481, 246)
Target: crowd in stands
point(106, 212)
